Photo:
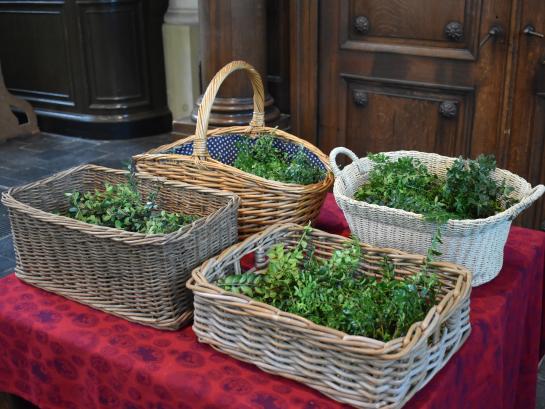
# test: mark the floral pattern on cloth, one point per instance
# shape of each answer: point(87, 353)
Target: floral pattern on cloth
point(59, 354)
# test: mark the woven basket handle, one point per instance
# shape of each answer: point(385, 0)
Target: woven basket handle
point(535, 194)
point(333, 162)
point(209, 96)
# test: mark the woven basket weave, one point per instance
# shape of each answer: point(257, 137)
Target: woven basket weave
point(476, 244)
point(132, 275)
point(356, 370)
point(263, 202)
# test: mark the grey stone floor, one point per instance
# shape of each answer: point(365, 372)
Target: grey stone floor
point(26, 159)
point(29, 158)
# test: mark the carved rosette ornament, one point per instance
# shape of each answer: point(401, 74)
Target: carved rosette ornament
point(360, 98)
point(361, 25)
point(448, 109)
point(454, 31)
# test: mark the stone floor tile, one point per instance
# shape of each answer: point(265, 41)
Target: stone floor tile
point(7, 265)
point(6, 247)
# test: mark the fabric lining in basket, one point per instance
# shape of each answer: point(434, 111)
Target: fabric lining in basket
point(223, 148)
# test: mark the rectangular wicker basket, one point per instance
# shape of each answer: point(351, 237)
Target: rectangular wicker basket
point(360, 371)
point(132, 275)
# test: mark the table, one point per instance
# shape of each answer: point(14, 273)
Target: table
point(60, 354)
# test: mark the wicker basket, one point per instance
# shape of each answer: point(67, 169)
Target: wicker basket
point(476, 244)
point(356, 370)
point(205, 159)
point(132, 275)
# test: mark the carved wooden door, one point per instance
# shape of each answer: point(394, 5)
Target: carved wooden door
point(411, 74)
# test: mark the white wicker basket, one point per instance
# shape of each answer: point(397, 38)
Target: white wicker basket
point(476, 244)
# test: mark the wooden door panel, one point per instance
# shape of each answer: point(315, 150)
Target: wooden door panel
point(523, 144)
point(50, 52)
point(535, 152)
point(408, 19)
point(384, 116)
point(411, 76)
point(442, 29)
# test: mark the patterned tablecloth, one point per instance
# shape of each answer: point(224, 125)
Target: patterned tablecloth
point(60, 354)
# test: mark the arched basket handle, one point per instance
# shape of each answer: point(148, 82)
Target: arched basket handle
point(258, 119)
point(333, 161)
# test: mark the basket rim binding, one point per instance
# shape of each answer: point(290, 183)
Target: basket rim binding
point(532, 194)
point(395, 349)
point(120, 235)
point(157, 154)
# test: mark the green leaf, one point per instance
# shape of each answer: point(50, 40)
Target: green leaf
point(120, 206)
point(467, 192)
point(262, 158)
point(332, 291)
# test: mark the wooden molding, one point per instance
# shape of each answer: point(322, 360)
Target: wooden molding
point(304, 69)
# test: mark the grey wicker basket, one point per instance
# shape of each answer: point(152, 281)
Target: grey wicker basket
point(132, 275)
point(356, 370)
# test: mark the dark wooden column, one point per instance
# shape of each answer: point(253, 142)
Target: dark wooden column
point(90, 68)
point(232, 30)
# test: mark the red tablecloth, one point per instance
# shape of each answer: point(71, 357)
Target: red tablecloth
point(60, 354)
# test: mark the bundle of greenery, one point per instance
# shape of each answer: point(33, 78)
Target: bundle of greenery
point(332, 292)
point(121, 206)
point(467, 192)
point(262, 158)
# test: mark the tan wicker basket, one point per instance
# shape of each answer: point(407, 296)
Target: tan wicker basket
point(132, 275)
point(476, 244)
point(263, 202)
point(356, 370)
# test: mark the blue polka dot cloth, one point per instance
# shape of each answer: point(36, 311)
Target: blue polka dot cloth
point(224, 149)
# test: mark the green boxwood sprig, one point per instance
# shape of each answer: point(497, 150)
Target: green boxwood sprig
point(332, 292)
point(120, 206)
point(262, 158)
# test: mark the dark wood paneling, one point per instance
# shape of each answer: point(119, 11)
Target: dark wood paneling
point(408, 19)
point(116, 73)
point(90, 67)
point(42, 47)
point(523, 142)
point(222, 41)
point(415, 27)
point(230, 30)
point(393, 115)
point(304, 69)
point(480, 115)
point(278, 54)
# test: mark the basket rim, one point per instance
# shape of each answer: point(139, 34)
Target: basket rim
point(323, 185)
point(120, 235)
point(391, 350)
point(339, 194)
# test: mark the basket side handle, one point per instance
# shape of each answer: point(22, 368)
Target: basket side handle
point(534, 194)
point(333, 161)
point(203, 116)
